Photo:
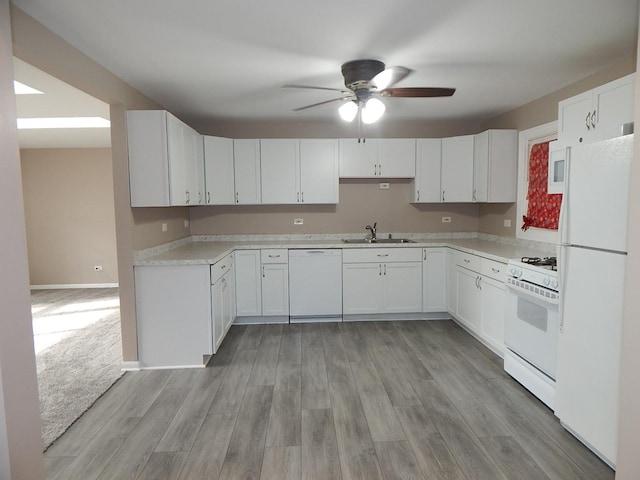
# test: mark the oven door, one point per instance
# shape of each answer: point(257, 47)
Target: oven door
point(531, 328)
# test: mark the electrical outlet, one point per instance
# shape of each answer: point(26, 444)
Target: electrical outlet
point(507, 222)
point(186, 224)
point(446, 219)
point(298, 221)
point(97, 268)
point(164, 227)
point(384, 186)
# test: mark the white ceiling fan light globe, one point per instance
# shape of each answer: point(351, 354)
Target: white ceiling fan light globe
point(372, 111)
point(348, 111)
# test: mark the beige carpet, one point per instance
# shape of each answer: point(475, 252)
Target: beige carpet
point(78, 352)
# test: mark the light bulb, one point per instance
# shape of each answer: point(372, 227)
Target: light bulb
point(372, 111)
point(348, 111)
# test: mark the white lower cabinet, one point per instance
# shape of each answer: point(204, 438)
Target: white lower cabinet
point(452, 288)
point(381, 280)
point(262, 285)
point(481, 297)
point(222, 299)
point(434, 280)
point(173, 308)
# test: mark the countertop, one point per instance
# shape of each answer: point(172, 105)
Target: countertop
point(197, 251)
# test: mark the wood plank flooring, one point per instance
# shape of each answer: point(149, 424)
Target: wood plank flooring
point(366, 400)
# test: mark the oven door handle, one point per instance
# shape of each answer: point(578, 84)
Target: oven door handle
point(526, 293)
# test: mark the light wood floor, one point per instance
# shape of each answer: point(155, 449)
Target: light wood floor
point(381, 400)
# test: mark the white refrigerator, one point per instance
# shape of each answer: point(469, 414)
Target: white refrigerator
point(591, 267)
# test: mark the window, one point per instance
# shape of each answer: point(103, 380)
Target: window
point(527, 139)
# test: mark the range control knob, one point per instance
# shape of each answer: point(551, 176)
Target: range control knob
point(554, 283)
point(519, 273)
point(546, 281)
point(512, 271)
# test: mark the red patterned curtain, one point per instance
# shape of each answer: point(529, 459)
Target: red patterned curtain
point(543, 209)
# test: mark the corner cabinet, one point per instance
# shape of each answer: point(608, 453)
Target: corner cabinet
point(597, 114)
point(378, 158)
point(381, 280)
point(495, 165)
point(166, 164)
point(299, 171)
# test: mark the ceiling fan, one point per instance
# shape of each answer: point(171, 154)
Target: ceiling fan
point(366, 80)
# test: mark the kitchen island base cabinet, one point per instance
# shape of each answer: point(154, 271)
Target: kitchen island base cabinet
point(173, 307)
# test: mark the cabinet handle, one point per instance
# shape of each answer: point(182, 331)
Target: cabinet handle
point(237, 199)
point(593, 119)
point(425, 254)
point(208, 197)
point(495, 270)
point(274, 256)
point(443, 195)
point(379, 169)
point(466, 260)
point(479, 283)
point(380, 269)
point(375, 169)
point(199, 198)
point(302, 196)
point(223, 266)
point(473, 196)
point(587, 121)
point(385, 269)
point(263, 272)
point(418, 199)
point(383, 254)
point(188, 196)
point(298, 196)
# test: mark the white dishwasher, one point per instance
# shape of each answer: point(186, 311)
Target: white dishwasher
point(315, 285)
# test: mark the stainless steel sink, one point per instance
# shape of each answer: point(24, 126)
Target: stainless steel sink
point(378, 240)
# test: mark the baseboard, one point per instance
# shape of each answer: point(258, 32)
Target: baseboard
point(130, 366)
point(73, 285)
point(395, 316)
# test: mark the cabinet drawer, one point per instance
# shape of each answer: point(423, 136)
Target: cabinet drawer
point(274, 255)
point(218, 269)
point(493, 269)
point(381, 255)
point(467, 260)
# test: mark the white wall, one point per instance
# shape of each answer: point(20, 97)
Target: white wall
point(21, 440)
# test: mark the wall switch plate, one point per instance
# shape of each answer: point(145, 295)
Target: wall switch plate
point(384, 186)
point(446, 219)
point(97, 268)
point(507, 222)
point(298, 221)
point(164, 227)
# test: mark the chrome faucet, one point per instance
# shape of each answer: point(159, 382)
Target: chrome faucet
point(372, 230)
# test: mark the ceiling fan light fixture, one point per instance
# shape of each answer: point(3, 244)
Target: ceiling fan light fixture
point(348, 111)
point(372, 111)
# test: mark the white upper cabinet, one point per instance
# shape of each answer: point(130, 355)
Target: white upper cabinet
point(426, 186)
point(378, 158)
point(299, 171)
point(166, 165)
point(457, 169)
point(495, 166)
point(279, 170)
point(219, 171)
point(319, 170)
point(597, 114)
point(246, 158)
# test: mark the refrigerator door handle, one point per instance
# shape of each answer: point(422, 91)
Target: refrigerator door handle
point(563, 221)
point(562, 285)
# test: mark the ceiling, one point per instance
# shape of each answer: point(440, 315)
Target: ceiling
point(58, 99)
point(207, 61)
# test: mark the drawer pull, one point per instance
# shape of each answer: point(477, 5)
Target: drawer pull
point(223, 266)
point(495, 270)
point(274, 256)
point(383, 254)
point(466, 260)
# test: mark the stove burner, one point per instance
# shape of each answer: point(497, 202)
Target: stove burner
point(537, 261)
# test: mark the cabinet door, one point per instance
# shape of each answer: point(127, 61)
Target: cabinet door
point(279, 170)
point(428, 163)
point(275, 289)
point(178, 148)
point(492, 315)
point(218, 166)
point(246, 158)
point(457, 169)
point(397, 157)
point(469, 301)
point(452, 283)
point(358, 160)
point(402, 287)
point(613, 104)
point(574, 119)
point(361, 287)
point(217, 312)
point(495, 166)
point(196, 168)
point(248, 283)
point(434, 280)
point(319, 171)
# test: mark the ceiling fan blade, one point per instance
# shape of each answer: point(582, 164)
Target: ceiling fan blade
point(418, 92)
point(389, 77)
point(307, 87)
point(349, 97)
